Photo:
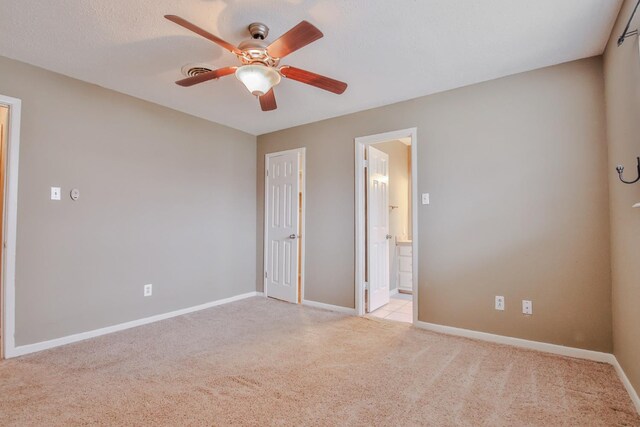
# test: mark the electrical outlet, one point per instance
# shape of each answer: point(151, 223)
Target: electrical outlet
point(500, 303)
point(148, 290)
point(527, 307)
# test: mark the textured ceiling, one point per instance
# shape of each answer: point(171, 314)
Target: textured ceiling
point(388, 51)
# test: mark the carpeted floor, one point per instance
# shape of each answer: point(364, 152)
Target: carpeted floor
point(263, 362)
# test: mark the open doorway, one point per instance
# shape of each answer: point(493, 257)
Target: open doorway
point(386, 280)
point(284, 225)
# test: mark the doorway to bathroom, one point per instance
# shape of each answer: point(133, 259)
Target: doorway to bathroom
point(385, 226)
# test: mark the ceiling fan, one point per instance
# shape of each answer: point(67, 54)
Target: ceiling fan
point(259, 71)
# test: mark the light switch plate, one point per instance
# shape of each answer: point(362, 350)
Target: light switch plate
point(55, 193)
point(425, 198)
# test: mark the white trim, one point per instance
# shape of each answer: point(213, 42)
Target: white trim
point(11, 221)
point(302, 152)
point(303, 234)
point(627, 384)
point(44, 345)
point(414, 221)
point(361, 231)
point(561, 350)
point(393, 292)
point(360, 144)
point(338, 308)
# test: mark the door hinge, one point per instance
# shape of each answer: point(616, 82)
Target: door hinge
point(366, 163)
point(266, 275)
point(267, 172)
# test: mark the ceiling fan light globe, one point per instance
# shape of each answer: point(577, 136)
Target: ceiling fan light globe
point(258, 79)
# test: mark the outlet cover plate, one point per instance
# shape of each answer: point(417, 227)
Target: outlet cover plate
point(500, 303)
point(55, 193)
point(148, 290)
point(527, 307)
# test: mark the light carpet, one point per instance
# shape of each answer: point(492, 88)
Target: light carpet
point(264, 362)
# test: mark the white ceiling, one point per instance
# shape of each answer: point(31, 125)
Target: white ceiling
point(388, 51)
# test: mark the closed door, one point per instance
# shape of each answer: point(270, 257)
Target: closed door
point(378, 228)
point(282, 226)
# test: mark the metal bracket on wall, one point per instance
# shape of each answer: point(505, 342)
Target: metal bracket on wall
point(620, 169)
point(626, 33)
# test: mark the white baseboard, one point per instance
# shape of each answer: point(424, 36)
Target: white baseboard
point(627, 384)
point(44, 345)
point(580, 353)
point(329, 307)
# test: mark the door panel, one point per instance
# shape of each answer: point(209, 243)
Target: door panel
point(378, 227)
point(282, 226)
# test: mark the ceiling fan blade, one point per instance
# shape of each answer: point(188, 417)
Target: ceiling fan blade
point(207, 35)
point(313, 79)
point(294, 39)
point(268, 101)
point(205, 77)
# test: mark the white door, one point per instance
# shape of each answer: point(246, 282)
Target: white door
point(281, 211)
point(378, 227)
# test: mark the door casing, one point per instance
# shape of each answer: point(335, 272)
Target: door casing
point(8, 272)
point(360, 146)
point(302, 153)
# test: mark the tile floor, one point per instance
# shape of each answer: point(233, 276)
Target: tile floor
point(400, 308)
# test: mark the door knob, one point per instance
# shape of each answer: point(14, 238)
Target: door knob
point(388, 236)
point(293, 236)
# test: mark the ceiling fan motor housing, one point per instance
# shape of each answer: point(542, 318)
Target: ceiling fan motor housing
point(255, 51)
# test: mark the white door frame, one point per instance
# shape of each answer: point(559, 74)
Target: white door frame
point(360, 144)
point(10, 227)
point(303, 159)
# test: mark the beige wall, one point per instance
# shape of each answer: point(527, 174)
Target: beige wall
point(165, 198)
point(399, 187)
point(517, 172)
point(622, 83)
